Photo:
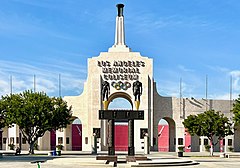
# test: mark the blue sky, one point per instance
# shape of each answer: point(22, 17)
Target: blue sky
point(187, 39)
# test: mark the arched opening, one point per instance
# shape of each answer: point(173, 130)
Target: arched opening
point(121, 126)
point(77, 135)
point(166, 135)
point(124, 97)
point(120, 103)
point(163, 136)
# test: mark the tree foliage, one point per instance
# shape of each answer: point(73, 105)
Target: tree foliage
point(35, 113)
point(236, 111)
point(214, 125)
point(2, 115)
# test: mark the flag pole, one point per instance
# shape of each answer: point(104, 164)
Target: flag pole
point(206, 92)
point(10, 84)
point(59, 85)
point(34, 83)
point(180, 95)
point(230, 97)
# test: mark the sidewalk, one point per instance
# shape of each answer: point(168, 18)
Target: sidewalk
point(77, 159)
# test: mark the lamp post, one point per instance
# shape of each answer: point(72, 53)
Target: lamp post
point(225, 144)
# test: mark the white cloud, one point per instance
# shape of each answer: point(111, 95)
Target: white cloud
point(235, 73)
point(191, 82)
point(183, 68)
point(171, 88)
point(218, 68)
point(46, 77)
point(236, 79)
point(224, 96)
point(149, 22)
point(4, 87)
point(46, 85)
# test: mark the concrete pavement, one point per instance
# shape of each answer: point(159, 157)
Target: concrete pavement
point(85, 160)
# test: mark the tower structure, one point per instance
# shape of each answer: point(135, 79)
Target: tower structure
point(119, 45)
point(120, 67)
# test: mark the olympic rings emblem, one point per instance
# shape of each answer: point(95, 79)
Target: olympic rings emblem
point(120, 85)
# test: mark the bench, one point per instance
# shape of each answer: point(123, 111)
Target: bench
point(135, 158)
point(108, 159)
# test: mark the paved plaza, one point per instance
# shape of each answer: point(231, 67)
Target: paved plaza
point(81, 160)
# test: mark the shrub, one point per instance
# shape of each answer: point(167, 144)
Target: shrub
point(36, 146)
point(181, 148)
point(11, 146)
point(59, 147)
point(207, 147)
point(230, 149)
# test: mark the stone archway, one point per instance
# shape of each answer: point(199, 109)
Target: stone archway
point(120, 95)
point(122, 101)
point(166, 134)
point(115, 115)
point(77, 135)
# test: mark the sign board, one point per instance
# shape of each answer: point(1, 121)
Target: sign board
point(121, 114)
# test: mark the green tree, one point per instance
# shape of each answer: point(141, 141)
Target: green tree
point(2, 115)
point(4, 107)
point(35, 113)
point(236, 111)
point(2, 122)
point(214, 125)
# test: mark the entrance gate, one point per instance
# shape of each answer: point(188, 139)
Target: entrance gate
point(111, 116)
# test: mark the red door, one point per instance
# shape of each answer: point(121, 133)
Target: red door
point(121, 137)
point(53, 140)
point(187, 142)
point(76, 137)
point(163, 138)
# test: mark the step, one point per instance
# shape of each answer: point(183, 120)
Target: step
point(164, 163)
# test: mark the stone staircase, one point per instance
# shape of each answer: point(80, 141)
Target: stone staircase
point(163, 162)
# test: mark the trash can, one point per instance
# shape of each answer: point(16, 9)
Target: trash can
point(180, 154)
point(54, 153)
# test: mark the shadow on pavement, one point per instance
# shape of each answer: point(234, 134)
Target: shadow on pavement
point(25, 158)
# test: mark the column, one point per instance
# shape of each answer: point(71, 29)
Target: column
point(111, 145)
point(146, 144)
point(131, 151)
point(64, 139)
point(202, 148)
point(94, 144)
